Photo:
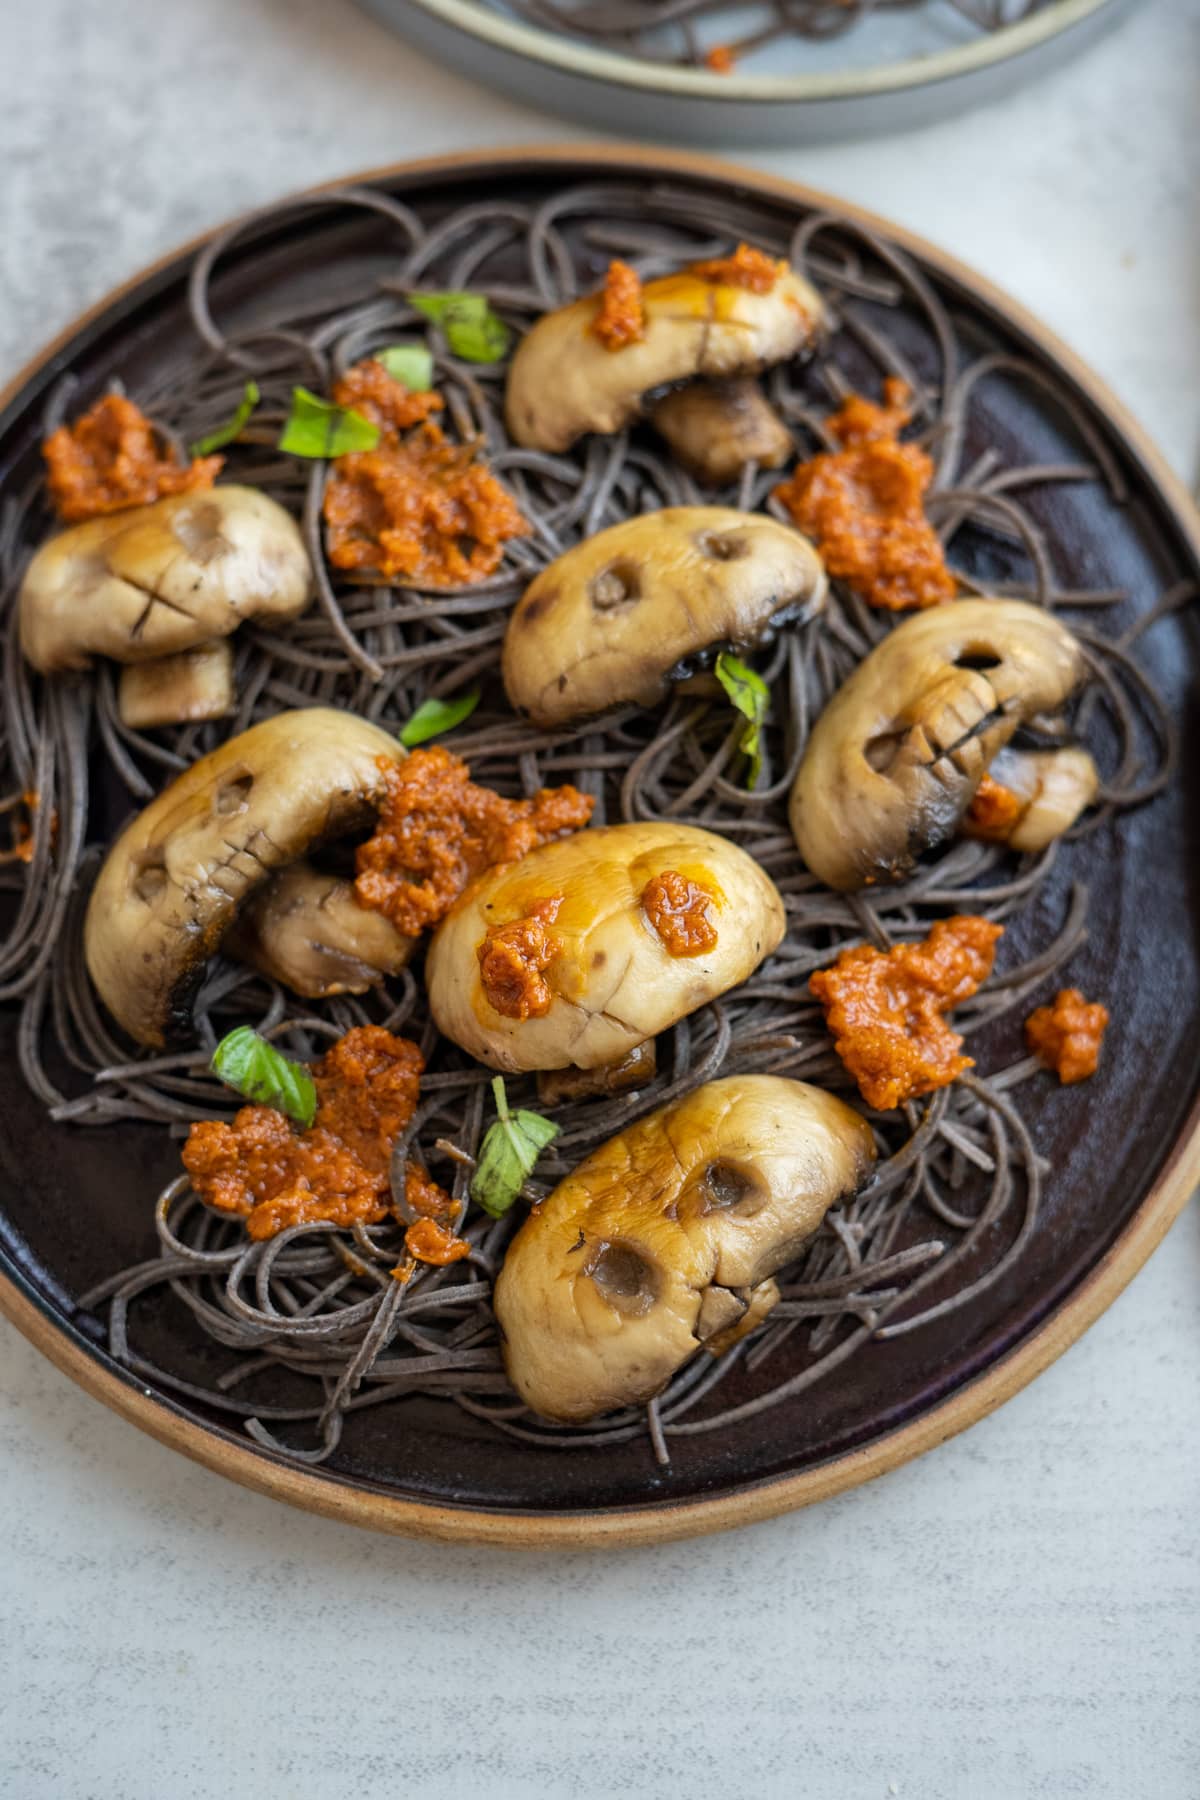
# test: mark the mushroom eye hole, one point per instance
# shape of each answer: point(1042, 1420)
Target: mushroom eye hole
point(724, 1187)
point(880, 752)
point(979, 660)
point(233, 795)
point(625, 1277)
point(617, 586)
point(723, 546)
point(149, 877)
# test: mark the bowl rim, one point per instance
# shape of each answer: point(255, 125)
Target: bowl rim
point(475, 19)
point(654, 1522)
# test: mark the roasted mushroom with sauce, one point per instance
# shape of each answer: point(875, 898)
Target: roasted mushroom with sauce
point(591, 945)
point(620, 615)
point(307, 929)
point(895, 759)
point(666, 1239)
point(564, 381)
point(175, 878)
point(152, 581)
point(1043, 793)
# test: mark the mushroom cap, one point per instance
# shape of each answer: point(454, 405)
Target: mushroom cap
point(173, 881)
point(155, 579)
point(614, 984)
point(667, 1235)
point(564, 381)
point(307, 929)
point(613, 618)
point(894, 760)
point(183, 688)
point(714, 428)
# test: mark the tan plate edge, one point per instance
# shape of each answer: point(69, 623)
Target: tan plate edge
point(615, 1528)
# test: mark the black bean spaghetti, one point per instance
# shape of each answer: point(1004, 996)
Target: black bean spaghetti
point(719, 34)
point(957, 1191)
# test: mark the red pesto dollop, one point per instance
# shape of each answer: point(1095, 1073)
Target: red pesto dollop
point(417, 507)
point(1068, 1035)
point(886, 1010)
point(720, 59)
point(437, 831)
point(622, 317)
point(111, 458)
point(746, 268)
point(274, 1175)
point(864, 506)
point(680, 911)
point(993, 812)
point(513, 958)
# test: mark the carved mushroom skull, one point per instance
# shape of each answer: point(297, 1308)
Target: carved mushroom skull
point(564, 382)
point(894, 760)
point(175, 878)
point(307, 929)
point(614, 618)
point(153, 580)
point(666, 1238)
point(612, 981)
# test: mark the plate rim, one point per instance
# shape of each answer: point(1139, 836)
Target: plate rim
point(579, 62)
point(654, 1521)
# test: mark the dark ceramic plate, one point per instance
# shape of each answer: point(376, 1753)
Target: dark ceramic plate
point(1125, 1149)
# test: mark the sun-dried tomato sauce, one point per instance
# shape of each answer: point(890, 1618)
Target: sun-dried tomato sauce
point(417, 507)
point(864, 506)
point(886, 1010)
point(1068, 1035)
point(680, 911)
point(437, 831)
point(111, 458)
point(621, 319)
point(513, 959)
point(993, 811)
point(274, 1175)
point(746, 268)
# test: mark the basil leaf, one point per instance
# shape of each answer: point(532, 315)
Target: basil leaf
point(468, 324)
point(317, 428)
point(509, 1151)
point(433, 717)
point(750, 695)
point(410, 363)
point(257, 1071)
point(225, 434)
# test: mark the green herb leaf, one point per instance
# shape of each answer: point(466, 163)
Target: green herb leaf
point(410, 363)
point(468, 324)
point(508, 1154)
point(748, 692)
point(433, 717)
point(232, 428)
point(317, 428)
point(256, 1070)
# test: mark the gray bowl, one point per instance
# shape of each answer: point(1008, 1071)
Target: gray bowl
point(645, 99)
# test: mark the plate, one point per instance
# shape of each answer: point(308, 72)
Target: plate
point(1125, 1148)
point(893, 74)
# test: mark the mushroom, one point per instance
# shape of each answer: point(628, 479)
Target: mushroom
point(1054, 788)
point(666, 1238)
point(605, 977)
point(306, 929)
point(894, 760)
point(714, 428)
point(173, 881)
point(564, 381)
point(621, 615)
point(190, 686)
point(153, 580)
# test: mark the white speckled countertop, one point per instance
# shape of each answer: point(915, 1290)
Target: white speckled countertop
point(1018, 1614)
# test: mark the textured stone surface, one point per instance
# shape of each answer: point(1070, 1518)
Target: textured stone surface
point(1016, 1615)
